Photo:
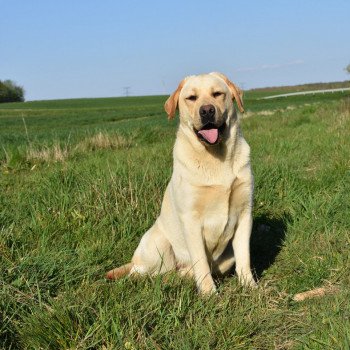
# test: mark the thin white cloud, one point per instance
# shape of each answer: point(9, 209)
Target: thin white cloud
point(270, 66)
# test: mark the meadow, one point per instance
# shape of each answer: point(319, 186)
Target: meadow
point(81, 181)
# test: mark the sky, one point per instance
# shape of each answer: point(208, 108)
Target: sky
point(86, 48)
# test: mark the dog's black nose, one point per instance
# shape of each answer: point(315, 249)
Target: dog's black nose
point(207, 113)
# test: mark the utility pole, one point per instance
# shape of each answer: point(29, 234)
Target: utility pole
point(126, 90)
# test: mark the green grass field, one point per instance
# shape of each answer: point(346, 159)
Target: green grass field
point(81, 181)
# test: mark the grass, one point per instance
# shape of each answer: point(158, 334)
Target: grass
point(81, 181)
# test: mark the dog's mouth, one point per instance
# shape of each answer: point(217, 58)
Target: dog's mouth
point(210, 133)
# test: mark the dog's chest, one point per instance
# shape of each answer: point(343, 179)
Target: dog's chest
point(219, 217)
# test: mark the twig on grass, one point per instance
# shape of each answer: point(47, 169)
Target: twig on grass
point(314, 293)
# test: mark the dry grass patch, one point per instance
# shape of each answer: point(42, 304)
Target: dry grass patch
point(103, 141)
point(56, 153)
point(249, 114)
point(342, 117)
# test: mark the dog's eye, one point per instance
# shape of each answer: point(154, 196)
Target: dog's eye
point(192, 98)
point(217, 94)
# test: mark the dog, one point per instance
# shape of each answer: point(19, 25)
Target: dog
point(205, 222)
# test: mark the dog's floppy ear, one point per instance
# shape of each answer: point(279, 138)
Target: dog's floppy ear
point(237, 93)
point(171, 103)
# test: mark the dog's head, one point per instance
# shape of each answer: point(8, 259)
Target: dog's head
point(205, 103)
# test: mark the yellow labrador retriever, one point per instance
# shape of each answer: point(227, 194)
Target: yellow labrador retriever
point(205, 222)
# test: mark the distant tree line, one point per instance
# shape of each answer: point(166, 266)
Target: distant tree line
point(11, 92)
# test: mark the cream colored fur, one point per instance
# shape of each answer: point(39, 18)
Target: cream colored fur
point(208, 202)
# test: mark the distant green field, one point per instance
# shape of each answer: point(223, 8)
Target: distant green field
point(302, 87)
point(41, 123)
point(81, 181)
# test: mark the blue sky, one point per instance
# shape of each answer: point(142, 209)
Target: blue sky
point(76, 48)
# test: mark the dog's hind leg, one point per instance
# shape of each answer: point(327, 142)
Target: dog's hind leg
point(224, 263)
point(154, 255)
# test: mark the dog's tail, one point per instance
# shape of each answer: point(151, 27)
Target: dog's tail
point(119, 272)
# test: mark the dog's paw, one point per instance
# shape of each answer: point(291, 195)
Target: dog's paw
point(208, 293)
point(248, 281)
point(207, 287)
point(252, 284)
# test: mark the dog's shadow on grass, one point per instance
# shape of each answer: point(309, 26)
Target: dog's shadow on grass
point(267, 239)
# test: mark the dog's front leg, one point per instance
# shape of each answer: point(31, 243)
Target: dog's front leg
point(241, 249)
point(199, 260)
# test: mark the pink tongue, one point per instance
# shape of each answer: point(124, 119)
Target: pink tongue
point(210, 135)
